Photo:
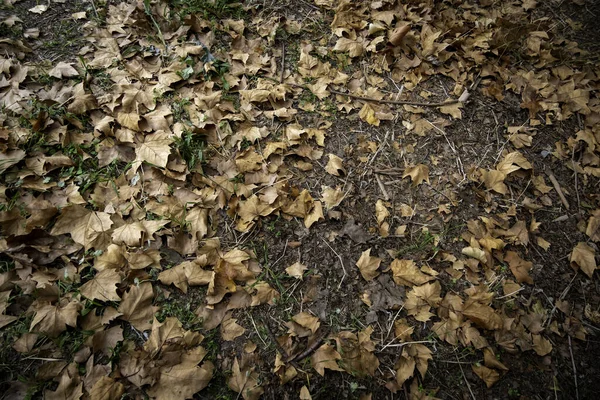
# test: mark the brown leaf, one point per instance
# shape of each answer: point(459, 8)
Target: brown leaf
point(584, 257)
point(136, 306)
point(155, 149)
point(103, 286)
point(245, 382)
point(296, 270)
point(53, 319)
point(230, 329)
point(334, 166)
point(69, 387)
point(488, 375)
point(398, 34)
point(368, 265)
point(106, 388)
point(519, 267)
point(406, 273)
point(325, 357)
point(88, 228)
point(418, 174)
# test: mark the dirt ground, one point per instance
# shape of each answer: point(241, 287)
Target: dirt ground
point(430, 223)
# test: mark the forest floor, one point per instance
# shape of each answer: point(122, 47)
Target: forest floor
point(299, 199)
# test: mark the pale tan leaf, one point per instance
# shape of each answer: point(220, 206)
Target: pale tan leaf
point(584, 257)
point(368, 265)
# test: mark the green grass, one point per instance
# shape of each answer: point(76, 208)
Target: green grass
point(192, 148)
point(208, 9)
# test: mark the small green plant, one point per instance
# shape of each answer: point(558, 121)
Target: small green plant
point(208, 9)
point(192, 147)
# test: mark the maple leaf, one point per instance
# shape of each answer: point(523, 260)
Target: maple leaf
point(53, 319)
point(519, 267)
point(103, 286)
point(106, 388)
point(136, 306)
point(296, 270)
point(367, 114)
point(245, 381)
point(129, 233)
point(197, 219)
point(418, 174)
point(230, 329)
point(325, 357)
point(307, 321)
point(368, 265)
point(70, 386)
point(332, 197)
point(406, 273)
point(88, 228)
point(488, 375)
point(583, 256)
point(334, 166)
point(155, 149)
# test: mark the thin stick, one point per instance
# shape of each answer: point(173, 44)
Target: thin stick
point(282, 61)
point(341, 262)
point(576, 178)
point(397, 102)
point(465, 378)
point(256, 329)
point(301, 356)
point(574, 369)
point(384, 192)
point(556, 185)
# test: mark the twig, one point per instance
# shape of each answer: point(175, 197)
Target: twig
point(576, 178)
point(574, 369)
point(396, 102)
point(556, 185)
point(274, 340)
point(465, 378)
point(301, 356)
point(562, 296)
point(256, 329)
point(282, 62)
point(341, 262)
point(384, 192)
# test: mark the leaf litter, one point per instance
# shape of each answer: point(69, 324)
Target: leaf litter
point(147, 187)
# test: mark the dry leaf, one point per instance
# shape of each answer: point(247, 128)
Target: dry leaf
point(584, 257)
point(418, 174)
point(368, 265)
point(334, 166)
point(296, 270)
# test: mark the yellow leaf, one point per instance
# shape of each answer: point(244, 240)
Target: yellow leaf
point(367, 114)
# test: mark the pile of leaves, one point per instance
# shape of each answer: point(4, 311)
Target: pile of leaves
point(143, 168)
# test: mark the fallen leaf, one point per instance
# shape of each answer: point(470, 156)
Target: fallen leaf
point(296, 270)
point(584, 257)
point(325, 357)
point(334, 166)
point(368, 265)
point(418, 174)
